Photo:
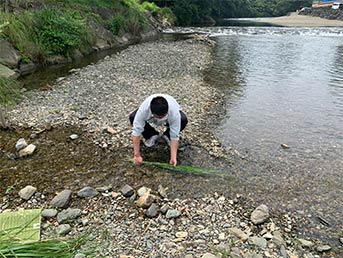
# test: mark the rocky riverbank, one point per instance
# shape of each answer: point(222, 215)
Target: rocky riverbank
point(187, 216)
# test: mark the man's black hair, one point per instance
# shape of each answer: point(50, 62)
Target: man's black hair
point(159, 106)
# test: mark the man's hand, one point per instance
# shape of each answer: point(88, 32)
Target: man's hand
point(138, 159)
point(174, 144)
point(173, 162)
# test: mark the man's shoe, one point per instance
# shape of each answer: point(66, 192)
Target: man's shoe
point(166, 138)
point(151, 141)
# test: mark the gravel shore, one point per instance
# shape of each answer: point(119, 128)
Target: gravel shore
point(98, 99)
point(295, 20)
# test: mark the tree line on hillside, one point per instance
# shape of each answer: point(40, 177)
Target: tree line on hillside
point(190, 12)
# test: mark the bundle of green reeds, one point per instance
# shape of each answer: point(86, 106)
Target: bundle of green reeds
point(186, 169)
point(46, 248)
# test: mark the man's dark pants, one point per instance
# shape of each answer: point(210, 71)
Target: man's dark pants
point(150, 131)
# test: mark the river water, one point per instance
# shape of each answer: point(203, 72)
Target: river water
point(284, 86)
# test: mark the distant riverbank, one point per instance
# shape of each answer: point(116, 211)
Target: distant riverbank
point(295, 20)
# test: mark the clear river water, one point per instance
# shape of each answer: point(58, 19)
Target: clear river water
point(284, 113)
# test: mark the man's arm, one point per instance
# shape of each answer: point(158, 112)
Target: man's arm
point(137, 158)
point(174, 145)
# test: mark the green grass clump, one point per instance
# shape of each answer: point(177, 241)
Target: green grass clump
point(12, 246)
point(45, 248)
point(151, 7)
point(9, 92)
point(60, 31)
point(186, 169)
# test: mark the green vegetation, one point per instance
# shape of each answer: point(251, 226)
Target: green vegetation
point(12, 246)
point(9, 92)
point(60, 31)
point(190, 12)
point(186, 169)
point(60, 27)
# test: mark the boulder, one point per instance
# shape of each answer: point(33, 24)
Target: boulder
point(260, 214)
point(27, 192)
point(62, 199)
point(7, 72)
point(8, 55)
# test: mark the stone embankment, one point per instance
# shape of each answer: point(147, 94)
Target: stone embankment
point(324, 12)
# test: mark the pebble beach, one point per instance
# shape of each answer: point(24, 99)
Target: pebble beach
point(135, 221)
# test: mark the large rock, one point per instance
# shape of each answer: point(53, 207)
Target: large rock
point(146, 200)
point(62, 199)
point(8, 55)
point(27, 192)
point(104, 38)
point(7, 72)
point(28, 150)
point(260, 214)
point(68, 214)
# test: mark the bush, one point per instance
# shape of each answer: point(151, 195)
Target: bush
point(151, 7)
point(117, 25)
point(59, 31)
point(168, 14)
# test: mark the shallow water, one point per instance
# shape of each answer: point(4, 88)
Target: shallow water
point(284, 86)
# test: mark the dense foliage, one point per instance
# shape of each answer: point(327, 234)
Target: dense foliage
point(62, 26)
point(190, 12)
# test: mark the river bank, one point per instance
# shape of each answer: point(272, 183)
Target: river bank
point(94, 103)
point(296, 20)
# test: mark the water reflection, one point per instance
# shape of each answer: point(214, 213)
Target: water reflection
point(279, 92)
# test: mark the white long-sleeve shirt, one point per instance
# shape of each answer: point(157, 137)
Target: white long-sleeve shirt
point(144, 115)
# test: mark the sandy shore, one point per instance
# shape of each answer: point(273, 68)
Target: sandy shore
point(295, 20)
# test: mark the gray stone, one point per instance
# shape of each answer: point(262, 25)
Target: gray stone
point(141, 191)
point(80, 256)
point(305, 243)
point(68, 214)
point(208, 255)
point(103, 189)
point(63, 229)
point(8, 54)
point(152, 212)
point(173, 214)
point(87, 192)
point(49, 213)
point(258, 241)
point(283, 252)
point(145, 200)
point(73, 136)
point(28, 150)
point(27, 192)
point(162, 192)
point(278, 239)
point(164, 209)
point(238, 233)
point(27, 68)
point(236, 253)
point(62, 199)
point(7, 72)
point(21, 144)
point(323, 248)
point(260, 214)
point(127, 190)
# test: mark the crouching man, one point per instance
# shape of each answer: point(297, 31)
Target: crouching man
point(157, 110)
